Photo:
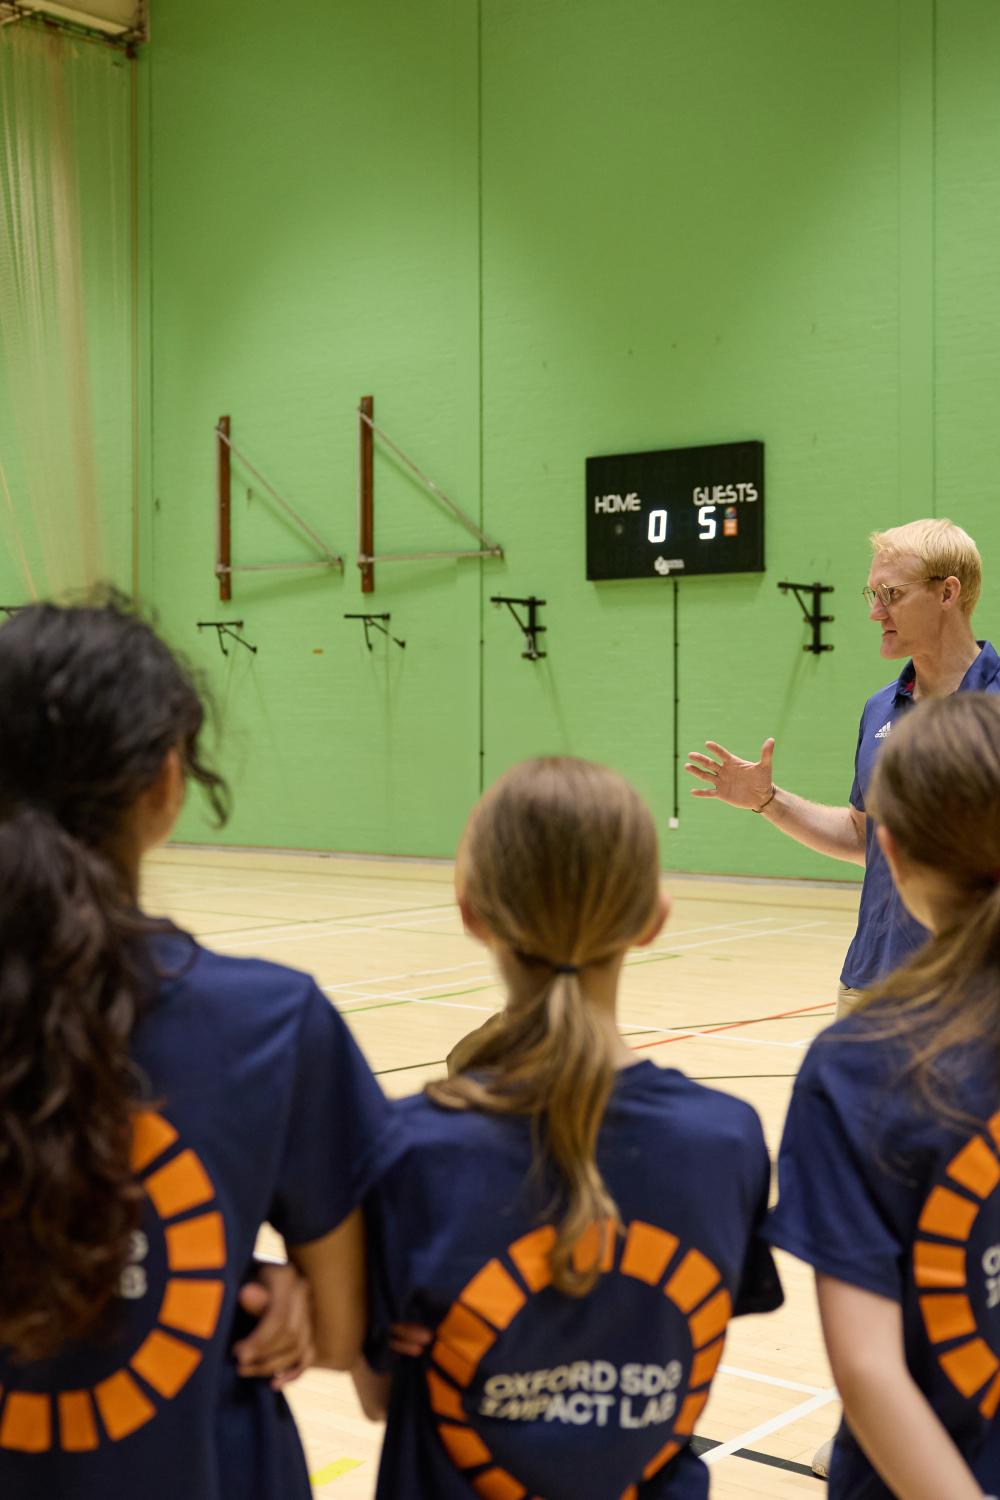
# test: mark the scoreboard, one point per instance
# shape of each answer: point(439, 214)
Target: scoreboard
point(676, 511)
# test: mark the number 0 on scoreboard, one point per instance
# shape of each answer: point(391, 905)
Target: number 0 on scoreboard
point(676, 511)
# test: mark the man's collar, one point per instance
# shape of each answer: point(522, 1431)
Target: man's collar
point(905, 682)
point(984, 670)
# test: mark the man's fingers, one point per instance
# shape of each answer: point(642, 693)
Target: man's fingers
point(719, 750)
point(767, 753)
point(700, 772)
point(703, 791)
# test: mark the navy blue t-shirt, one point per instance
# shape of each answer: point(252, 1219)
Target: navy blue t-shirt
point(261, 1109)
point(527, 1391)
point(886, 933)
point(878, 1193)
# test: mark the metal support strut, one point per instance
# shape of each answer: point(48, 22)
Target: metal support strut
point(367, 556)
point(530, 628)
point(226, 627)
point(812, 617)
point(224, 565)
point(374, 622)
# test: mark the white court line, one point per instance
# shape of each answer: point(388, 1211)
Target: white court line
point(490, 1010)
point(410, 997)
point(331, 926)
point(476, 963)
point(738, 937)
point(786, 1385)
point(306, 925)
point(754, 1434)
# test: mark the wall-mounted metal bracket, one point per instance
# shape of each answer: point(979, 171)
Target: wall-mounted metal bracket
point(530, 628)
point(374, 622)
point(224, 565)
point(367, 556)
point(224, 628)
point(812, 616)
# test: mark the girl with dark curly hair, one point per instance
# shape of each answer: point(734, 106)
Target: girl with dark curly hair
point(158, 1102)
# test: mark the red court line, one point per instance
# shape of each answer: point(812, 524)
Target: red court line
point(687, 1036)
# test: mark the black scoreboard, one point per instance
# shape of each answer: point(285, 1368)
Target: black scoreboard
point(676, 511)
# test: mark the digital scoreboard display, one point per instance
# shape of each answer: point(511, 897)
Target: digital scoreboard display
point(675, 512)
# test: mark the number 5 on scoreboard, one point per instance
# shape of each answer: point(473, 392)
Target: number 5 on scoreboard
point(708, 523)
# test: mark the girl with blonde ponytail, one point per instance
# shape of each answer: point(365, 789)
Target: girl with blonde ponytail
point(890, 1164)
point(575, 1226)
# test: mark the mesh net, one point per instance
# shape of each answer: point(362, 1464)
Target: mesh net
point(66, 309)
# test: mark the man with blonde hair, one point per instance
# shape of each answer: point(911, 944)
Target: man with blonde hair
point(923, 585)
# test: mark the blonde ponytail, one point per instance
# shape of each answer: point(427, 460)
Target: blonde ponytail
point(559, 859)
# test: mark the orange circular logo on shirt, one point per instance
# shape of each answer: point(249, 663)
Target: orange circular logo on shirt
point(495, 1297)
point(76, 1421)
point(941, 1271)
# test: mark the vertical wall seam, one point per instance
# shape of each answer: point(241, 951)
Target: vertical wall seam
point(136, 560)
point(480, 769)
point(933, 254)
point(916, 255)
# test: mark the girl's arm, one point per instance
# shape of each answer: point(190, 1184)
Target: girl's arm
point(373, 1390)
point(885, 1409)
point(334, 1267)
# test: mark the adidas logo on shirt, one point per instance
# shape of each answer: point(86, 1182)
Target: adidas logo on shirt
point(883, 733)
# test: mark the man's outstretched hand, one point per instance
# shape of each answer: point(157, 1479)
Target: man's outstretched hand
point(741, 783)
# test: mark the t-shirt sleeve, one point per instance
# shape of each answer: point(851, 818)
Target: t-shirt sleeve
point(759, 1290)
point(339, 1134)
point(828, 1212)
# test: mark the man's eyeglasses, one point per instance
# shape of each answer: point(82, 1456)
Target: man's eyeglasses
point(888, 594)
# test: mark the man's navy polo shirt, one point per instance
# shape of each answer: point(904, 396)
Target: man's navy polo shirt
point(887, 934)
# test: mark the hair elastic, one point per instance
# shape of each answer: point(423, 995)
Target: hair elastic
point(536, 958)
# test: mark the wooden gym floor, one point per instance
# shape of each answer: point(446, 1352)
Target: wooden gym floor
point(737, 984)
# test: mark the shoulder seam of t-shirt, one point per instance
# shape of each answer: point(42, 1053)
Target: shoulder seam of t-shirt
point(821, 1260)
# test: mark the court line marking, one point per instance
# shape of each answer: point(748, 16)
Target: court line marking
point(307, 926)
point(785, 1385)
point(350, 987)
point(679, 1034)
point(780, 1015)
point(737, 937)
point(774, 1424)
point(349, 984)
point(384, 1002)
point(339, 1467)
point(331, 926)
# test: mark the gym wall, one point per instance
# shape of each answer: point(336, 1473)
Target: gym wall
point(536, 230)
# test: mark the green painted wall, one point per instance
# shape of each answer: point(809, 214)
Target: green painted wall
point(539, 229)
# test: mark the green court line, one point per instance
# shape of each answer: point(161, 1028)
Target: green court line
point(339, 1467)
point(388, 1004)
point(479, 989)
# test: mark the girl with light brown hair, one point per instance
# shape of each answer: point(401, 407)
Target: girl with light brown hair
point(890, 1164)
point(576, 1226)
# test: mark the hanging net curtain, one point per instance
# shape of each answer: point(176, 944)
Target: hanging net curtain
point(66, 314)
